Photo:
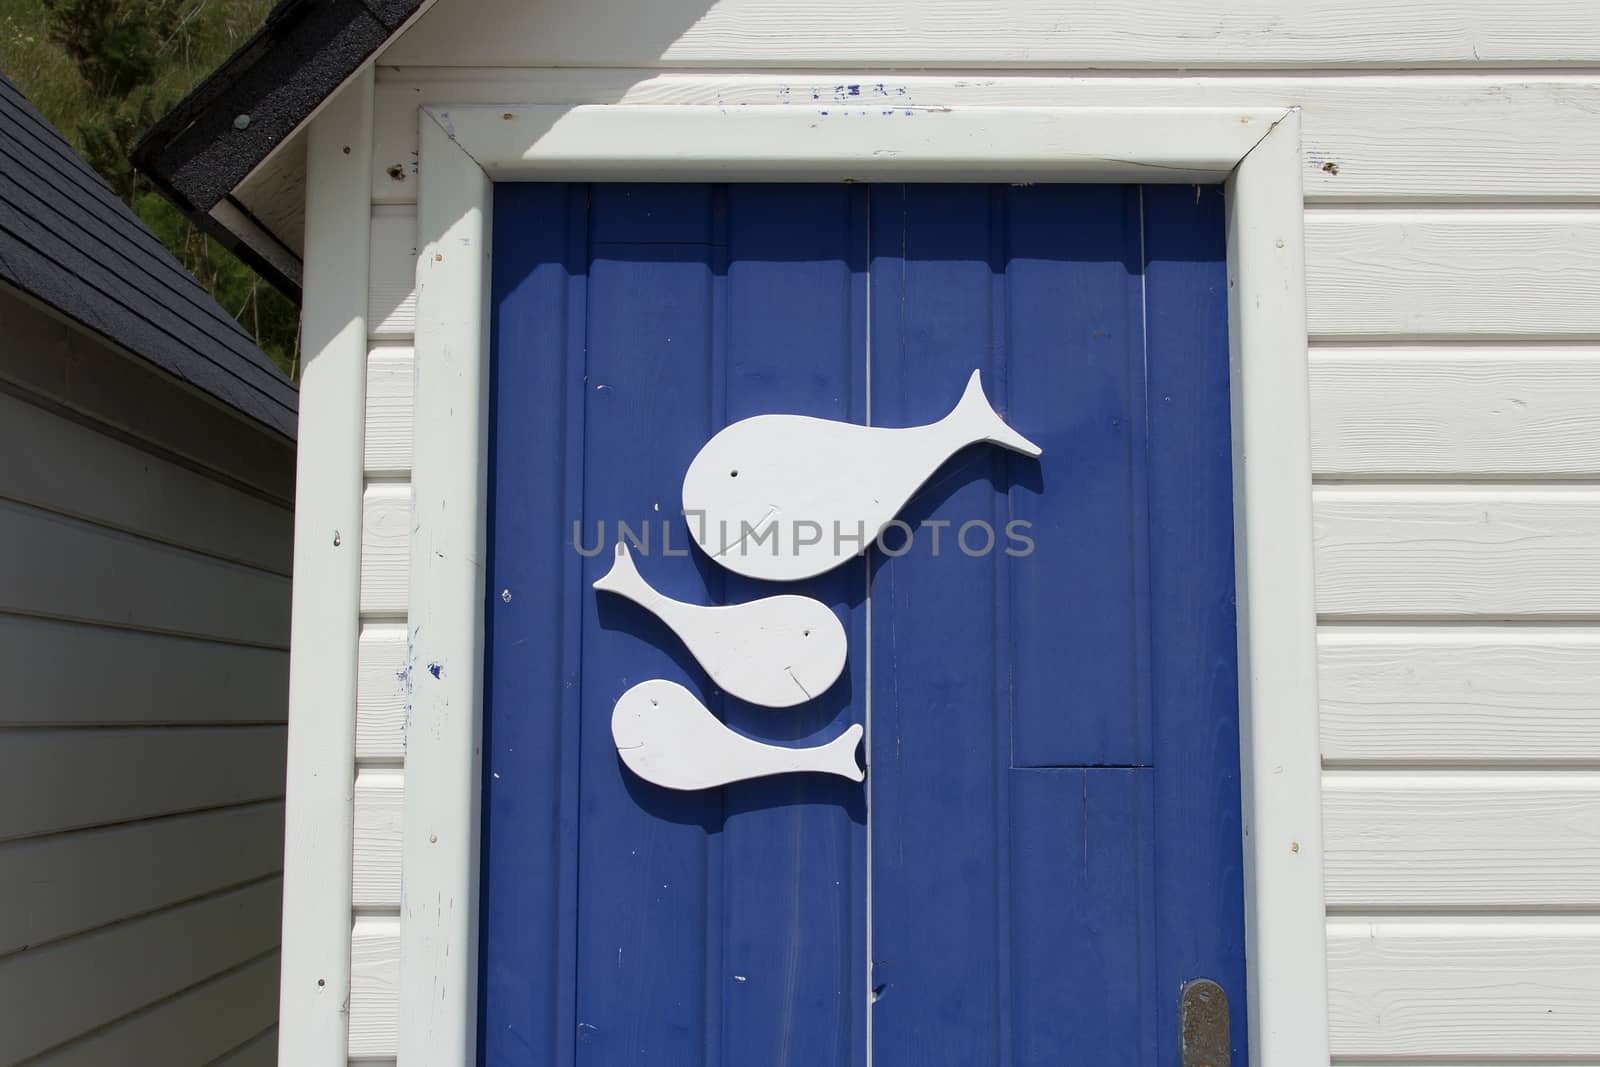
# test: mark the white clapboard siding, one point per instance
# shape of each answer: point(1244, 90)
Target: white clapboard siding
point(1441, 551)
point(66, 989)
point(392, 273)
point(957, 33)
point(374, 987)
point(379, 799)
point(388, 419)
point(195, 1026)
point(1469, 988)
point(65, 673)
point(62, 567)
point(1449, 273)
point(67, 883)
point(1374, 137)
point(1459, 694)
point(61, 465)
point(383, 693)
point(55, 780)
point(385, 548)
point(1454, 839)
point(1485, 412)
point(259, 1051)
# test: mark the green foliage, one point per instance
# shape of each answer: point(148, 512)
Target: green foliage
point(103, 71)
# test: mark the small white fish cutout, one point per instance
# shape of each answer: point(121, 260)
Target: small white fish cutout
point(778, 651)
point(666, 736)
point(785, 497)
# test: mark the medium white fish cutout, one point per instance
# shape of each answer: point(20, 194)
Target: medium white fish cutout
point(785, 497)
point(666, 736)
point(778, 651)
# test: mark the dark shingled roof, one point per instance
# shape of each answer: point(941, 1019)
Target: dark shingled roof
point(67, 241)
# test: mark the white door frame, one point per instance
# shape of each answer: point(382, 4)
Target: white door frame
point(1254, 153)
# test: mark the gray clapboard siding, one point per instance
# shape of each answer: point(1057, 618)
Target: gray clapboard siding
point(1454, 551)
point(382, 693)
point(385, 548)
point(60, 465)
point(374, 986)
point(66, 568)
point(259, 1051)
point(67, 883)
point(57, 993)
point(194, 1026)
point(1483, 695)
point(1451, 273)
point(1454, 839)
point(379, 801)
point(1474, 989)
point(1439, 411)
point(388, 416)
point(57, 780)
point(70, 674)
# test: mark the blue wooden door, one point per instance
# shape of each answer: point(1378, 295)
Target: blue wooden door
point(1047, 846)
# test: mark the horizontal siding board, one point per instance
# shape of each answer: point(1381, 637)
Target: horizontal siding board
point(1496, 413)
point(66, 568)
point(1471, 989)
point(1452, 273)
point(1479, 840)
point(66, 674)
point(1459, 694)
point(61, 465)
point(383, 693)
point(1034, 34)
point(385, 549)
point(259, 1051)
point(392, 274)
point(388, 419)
point(210, 1020)
point(1365, 137)
point(379, 799)
point(56, 886)
point(57, 780)
point(56, 993)
point(1473, 551)
point(374, 987)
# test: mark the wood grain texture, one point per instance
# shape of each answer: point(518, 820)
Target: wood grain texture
point(1459, 695)
point(1449, 551)
point(1474, 989)
point(1431, 840)
point(392, 274)
point(56, 993)
point(67, 883)
point(388, 434)
point(1452, 273)
point(207, 1021)
point(383, 693)
point(61, 567)
point(60, 465)
point(1434, 411)
point(379, 798)
point(374, 987)
point(385, 548)
point(1031, 33)
point(55, 780)
point(137, 678)
point(1368, 137)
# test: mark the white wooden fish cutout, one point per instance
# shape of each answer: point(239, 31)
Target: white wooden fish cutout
point(778, 651)
point(666, 736)
point(784, 497)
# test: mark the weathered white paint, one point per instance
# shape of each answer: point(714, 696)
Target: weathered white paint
point(666, 736)
point(777, 651)
point(390, 369)
point(385, 548)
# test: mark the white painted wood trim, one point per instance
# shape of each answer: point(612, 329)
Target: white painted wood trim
point(439, 851)
point(326, 599)
point(1285, 931)
point(1258, 150)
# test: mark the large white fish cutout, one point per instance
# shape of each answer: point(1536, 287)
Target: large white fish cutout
point(666, 736)
point(778, 651)
point(784, 497)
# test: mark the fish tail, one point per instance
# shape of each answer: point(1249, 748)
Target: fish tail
point(839, 755)
point(623, 578)
point(983, 423)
